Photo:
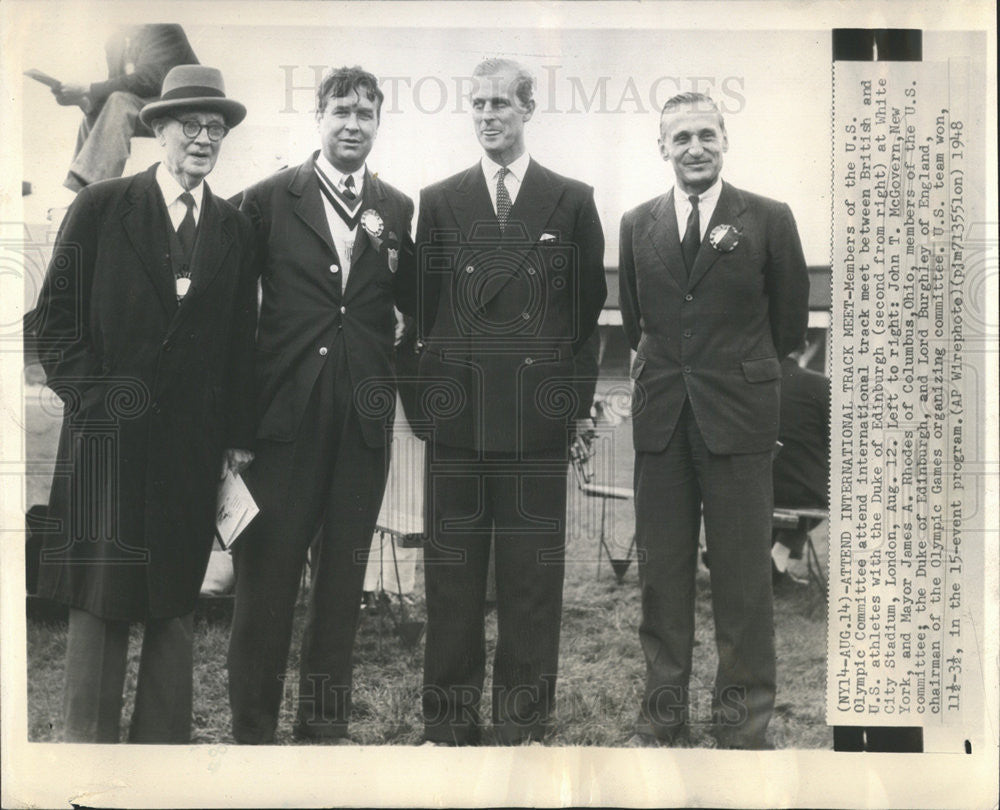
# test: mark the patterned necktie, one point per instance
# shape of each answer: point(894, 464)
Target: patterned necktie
point(350, 193)
point(503, 199)
point(187, 230)
point(692, 235)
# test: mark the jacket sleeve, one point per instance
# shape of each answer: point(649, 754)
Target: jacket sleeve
point(787, 281)
point(593, 292)
point(428, 284)
point(405, 283)
point(60, 322)
point(628, 296)
point(241, 393)
point(164, 46)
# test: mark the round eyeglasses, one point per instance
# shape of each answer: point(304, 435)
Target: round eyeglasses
point(192, 129)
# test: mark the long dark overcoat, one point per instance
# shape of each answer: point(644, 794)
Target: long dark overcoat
point(153, 394)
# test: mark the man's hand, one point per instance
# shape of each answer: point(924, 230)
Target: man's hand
point(69, 95)
point(584, 428)
point(236, 461)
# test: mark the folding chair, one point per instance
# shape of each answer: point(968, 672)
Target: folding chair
point(581, 457)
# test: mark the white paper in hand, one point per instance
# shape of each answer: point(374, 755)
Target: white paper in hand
point(235, 509)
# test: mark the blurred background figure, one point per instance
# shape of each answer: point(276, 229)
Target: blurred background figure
point(802, 468)
point(139, 56)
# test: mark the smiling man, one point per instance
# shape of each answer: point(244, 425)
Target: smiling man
point(714, 292)
point(145, 328)
point(335, 253)
point(511, 269)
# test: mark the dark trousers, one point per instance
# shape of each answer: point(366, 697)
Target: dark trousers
point(103, 143)
point(519, 506)
point(672, 488)
point(96, 660)
point(327, 476)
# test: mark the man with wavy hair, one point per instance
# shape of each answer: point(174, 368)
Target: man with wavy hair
point(335, 254)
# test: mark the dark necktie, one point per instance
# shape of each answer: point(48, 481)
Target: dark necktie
point(692, 235)
point(503, 199)
point(350, 193)
point(187, 230)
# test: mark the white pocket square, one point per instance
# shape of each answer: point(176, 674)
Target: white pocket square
point(547, 237)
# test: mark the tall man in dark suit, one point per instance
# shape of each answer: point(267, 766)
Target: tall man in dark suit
point(145, 328)
point(714, 291)
point(511, 263)
point(138, 57)
point(335, 254)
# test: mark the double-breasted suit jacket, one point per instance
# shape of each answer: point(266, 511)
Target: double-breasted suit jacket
point(305, 305)
point(154, 392)
point(717, 337)
point(505, 317)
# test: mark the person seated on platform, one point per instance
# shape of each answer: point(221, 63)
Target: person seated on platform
point(139, 56)
point(801, 469)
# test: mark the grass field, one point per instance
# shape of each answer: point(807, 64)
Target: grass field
point(601, 667)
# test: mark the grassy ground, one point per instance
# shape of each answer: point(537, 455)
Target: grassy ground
point(601, 666)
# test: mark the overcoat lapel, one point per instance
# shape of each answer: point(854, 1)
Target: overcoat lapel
point(148, 235)
point(727, 211)
point(662, 232)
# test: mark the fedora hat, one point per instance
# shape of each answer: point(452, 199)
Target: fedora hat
point(194, 87)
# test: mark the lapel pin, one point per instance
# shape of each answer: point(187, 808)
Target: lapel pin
point(724, 238)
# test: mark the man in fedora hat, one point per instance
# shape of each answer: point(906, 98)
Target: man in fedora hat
point(145, 325)
point(139, 57)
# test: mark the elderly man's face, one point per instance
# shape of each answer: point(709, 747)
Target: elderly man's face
point(499, 116)
point(189, 160)
point(694, 142)
point(347, 129)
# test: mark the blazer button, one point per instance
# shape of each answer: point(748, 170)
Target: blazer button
point(687, 369)
point(334, 268)
point(322, 351)
point(689, 297)
point(531, 271)
point(343, 310)
point(687, 333)
point(469, 268)
point(528, 361)
point(156, 407)
point(526, 316)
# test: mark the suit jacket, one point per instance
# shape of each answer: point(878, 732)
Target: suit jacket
point(153, 391)
point(151, 51)
point(802, 466)
point(303, 307)
point(715, 338)
point(505, 318)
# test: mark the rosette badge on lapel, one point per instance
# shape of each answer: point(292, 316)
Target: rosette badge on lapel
point(724, 238)
point(373, 225)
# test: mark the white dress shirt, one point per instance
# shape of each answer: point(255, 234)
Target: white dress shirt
point(706, 207)
point(512, 180)
point(343, 237)
point(172, 190)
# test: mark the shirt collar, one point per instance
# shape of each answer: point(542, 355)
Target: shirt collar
point(517, 168)
point(171, 189)
point(337, 177)
point(710, 195)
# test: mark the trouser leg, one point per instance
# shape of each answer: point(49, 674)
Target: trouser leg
point(456, 559)
point(289, 481)
point(103, 141)
point(668, 515)
point(738, 505)
point(96, 657)
point(164, 691)
point(352, 505)
point(530, 551)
